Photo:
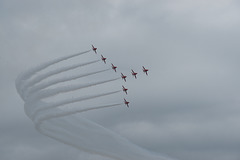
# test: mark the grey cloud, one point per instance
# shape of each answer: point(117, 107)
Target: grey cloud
point(188, 105)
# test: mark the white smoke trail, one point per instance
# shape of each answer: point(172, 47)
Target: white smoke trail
point(52, 92)
point(56, 81)
point(53, 113)
point(52, 73)
point(68, 101)
point(63, 124)
point(21, 79)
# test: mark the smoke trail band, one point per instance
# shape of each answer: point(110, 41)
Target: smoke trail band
point(64, 124)
point(22, 78)
point(64, 89)
point(56, 81)
point(52, 73)
point(68, 101)
point(61, 113)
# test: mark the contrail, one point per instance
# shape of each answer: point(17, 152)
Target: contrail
point(61, 113)
point(52, 92)
point(54, 72)
point(72, 100)
point(59, 121)
point(28, 74)
point(93, 138)
point(64, 79)
point(53, 131)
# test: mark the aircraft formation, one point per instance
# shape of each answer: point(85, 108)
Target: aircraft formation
point(134, 74)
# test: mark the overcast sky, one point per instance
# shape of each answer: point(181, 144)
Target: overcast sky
point(188, 106)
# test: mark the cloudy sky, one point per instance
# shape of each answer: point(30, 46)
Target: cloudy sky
point(188, 106)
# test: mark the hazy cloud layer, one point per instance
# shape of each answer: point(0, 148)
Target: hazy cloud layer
point(188, 106)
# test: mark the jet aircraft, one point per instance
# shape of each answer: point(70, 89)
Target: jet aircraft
point(124, 89)
point(126, 102)
point(103, 59)
point(114, 67)
point(123, 77)
point(145, 70)
point(94, 49)
point(134, 74)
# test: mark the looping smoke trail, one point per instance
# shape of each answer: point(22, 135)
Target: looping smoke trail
point(60, 113)
point(56, 81)
point(68, 101)
point(21, 79)
point(58, 121)
point(52, 92)
point(52, 73)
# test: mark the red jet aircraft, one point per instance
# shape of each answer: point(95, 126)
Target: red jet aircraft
point(114, 67)
point(126, 102)
point(103, 59)
point(145, 70)
point(134, 74)
point(124, 89)
point(123, 77)
point(94, 49)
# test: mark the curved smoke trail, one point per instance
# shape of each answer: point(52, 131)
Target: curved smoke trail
point(61, 122)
